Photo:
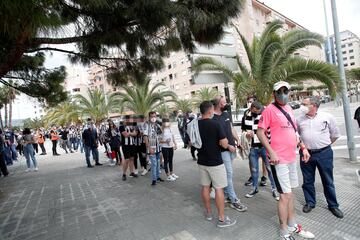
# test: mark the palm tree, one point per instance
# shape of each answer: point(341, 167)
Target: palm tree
point(272, 58)
point(205, 94)
point(142, 99)
point(63, 114)
point(96, 106)
point(163, 110)
point(184, 105)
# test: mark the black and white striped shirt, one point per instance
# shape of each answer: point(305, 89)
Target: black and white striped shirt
point(250, 123)
point(127, 141)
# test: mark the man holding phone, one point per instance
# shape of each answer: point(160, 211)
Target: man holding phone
point(281, 150)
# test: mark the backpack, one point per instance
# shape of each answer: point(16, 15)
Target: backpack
point(194, 134)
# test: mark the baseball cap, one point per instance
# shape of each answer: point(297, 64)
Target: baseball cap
point(281, 84)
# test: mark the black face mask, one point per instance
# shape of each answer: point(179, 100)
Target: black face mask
point(254, 114)
point(226, 108)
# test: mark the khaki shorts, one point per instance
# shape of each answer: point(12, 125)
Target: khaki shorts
point(215, 175)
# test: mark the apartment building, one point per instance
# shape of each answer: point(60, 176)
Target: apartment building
point(350, 47)
point(76, 81)
point(255, 16)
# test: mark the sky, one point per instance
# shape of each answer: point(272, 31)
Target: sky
point(310, 14)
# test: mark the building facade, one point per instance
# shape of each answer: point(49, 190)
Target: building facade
point(350, 48)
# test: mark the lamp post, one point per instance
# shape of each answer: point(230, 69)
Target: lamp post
point(346, 107)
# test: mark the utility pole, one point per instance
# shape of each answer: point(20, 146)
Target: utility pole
point(329, 47)
point(346, 107)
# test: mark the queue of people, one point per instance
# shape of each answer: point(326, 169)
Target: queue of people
point(272, 133)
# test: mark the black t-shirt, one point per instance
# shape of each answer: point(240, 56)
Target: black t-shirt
point(211, 133)
point(225, 122)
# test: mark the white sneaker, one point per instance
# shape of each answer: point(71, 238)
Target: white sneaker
point(136, 172)
point(170, 178)
point(297, 229)
point(175, 176)
point(36, 169)
point(28, 170)
point(144, 172)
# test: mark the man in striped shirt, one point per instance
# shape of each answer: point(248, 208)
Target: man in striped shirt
point(152, 133)
point(128, 134)
point(250, 125)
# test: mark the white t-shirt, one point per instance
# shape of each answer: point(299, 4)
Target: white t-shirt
point(167, 134)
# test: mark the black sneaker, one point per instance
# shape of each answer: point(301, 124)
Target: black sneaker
point(133, 175)
point(153, 183)
point(252, 193)
point(160, 180)
point(124, 177)
point(98, 164)
point(263, 182)
point(249, 182)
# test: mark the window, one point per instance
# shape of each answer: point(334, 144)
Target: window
point(344, 52)
point(163, 79)
point(350, 44)
point(76, 90)
point(352, 64)
point(193, 93)
point(345, 65)
point(351, 50)
point(351, 57)
point(345, 58)
point(170, 76)
point(114, 89)
point(342, 46)
point(169, 66)
point(191, 81)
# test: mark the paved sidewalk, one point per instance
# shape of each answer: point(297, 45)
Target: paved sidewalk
point(66, 200)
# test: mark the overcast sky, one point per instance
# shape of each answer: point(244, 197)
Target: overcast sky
point(310, 14)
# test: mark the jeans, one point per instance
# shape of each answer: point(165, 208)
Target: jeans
point(13, 152)
point(155, 166)
point(42, 148)
point(229, 191)
point(254, 155)
point(74, 143)
point(323, 161)
point(81, 144)
point(95, 154)
point(54, 143)
point(29, 153)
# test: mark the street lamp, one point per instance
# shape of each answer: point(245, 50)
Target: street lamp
point(346, 107)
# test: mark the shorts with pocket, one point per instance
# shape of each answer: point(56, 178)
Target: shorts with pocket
point(285, 177)
point(214, 174)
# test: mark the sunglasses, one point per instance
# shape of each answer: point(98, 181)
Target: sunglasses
point(285, 91)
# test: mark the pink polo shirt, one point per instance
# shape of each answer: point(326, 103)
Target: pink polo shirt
point(283, 136)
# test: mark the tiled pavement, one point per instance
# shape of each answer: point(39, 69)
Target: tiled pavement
point(66, 200)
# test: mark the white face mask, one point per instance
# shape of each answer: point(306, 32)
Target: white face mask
point(304, 109)
point(167, 124)
point(153, 120)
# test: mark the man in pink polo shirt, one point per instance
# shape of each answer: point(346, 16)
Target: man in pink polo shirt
point(281, 150)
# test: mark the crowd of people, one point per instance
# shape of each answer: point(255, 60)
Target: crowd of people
point(141, 144)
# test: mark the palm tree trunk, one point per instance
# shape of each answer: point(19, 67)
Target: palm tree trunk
point(10, 113)
point(6, 112)
point(1, 121)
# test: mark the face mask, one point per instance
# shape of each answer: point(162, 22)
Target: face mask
point(304, 109)
point(248, 104)
point(225, 108)
point(167, 124)
point(282, 98)
point(153, 120)
point(254, 114)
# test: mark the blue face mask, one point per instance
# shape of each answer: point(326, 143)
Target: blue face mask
point(282, 98)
